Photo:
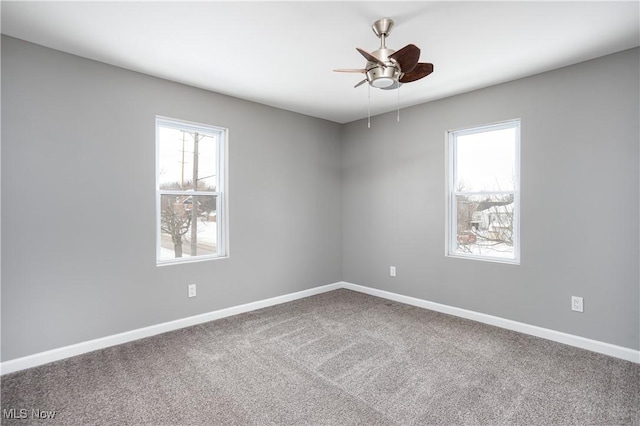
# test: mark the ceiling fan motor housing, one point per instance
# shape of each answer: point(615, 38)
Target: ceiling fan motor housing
point(382, 77)
point(379, 76)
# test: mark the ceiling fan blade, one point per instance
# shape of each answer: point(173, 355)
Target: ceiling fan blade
point(361, 83)
point(421, 70)
point(351, 70)
point(407, 57)
point(369, 57)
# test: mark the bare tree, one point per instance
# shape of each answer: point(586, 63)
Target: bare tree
point(485, 224)
point(499, 233)
point(175, 221)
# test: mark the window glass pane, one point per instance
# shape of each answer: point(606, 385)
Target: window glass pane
point(485, 161)
point(485, 225)
point(185, 157)
point(186, 231)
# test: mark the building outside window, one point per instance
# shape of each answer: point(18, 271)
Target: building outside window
point(484, 192)
point(190, 191)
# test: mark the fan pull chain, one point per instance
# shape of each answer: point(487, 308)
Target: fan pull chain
point(398, 102)
point(369, 106)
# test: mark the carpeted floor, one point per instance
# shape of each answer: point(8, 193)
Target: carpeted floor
point(338, 358)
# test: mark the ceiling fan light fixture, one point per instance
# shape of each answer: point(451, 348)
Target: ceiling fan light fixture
point(382, 82)
point(381, 77)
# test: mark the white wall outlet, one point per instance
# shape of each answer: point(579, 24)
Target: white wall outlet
point(392, 271)
point(576, 304)
point(192, 290)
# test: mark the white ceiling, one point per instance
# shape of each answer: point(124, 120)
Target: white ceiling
point(282, 53)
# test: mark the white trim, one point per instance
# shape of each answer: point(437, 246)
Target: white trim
point(179, 124)
point(223, 207)
point(545, 333)
point(46, 357)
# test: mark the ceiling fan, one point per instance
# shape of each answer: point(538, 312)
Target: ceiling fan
point(387, 68)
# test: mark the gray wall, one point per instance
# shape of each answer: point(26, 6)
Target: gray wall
point(78, 201)
point(311, 202)
point(579, 205)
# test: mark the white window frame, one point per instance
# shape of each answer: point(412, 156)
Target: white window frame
point(221, 194)
point(451, 241)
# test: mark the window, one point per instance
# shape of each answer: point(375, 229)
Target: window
point(484, 192)
point(190, 191)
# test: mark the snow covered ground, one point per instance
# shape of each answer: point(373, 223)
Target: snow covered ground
point(502, 251)
point(207, 241)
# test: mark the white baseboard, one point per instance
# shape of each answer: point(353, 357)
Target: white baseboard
point(46, 357)
point(545, 333)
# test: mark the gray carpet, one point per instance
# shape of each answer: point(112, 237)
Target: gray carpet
point(338, 358)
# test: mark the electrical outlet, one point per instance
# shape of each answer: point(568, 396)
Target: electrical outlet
point(192, 290)
point(392, 271)
point(577, 304)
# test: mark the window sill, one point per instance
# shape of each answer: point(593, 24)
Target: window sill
point(190, 260)
point(485, 259)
